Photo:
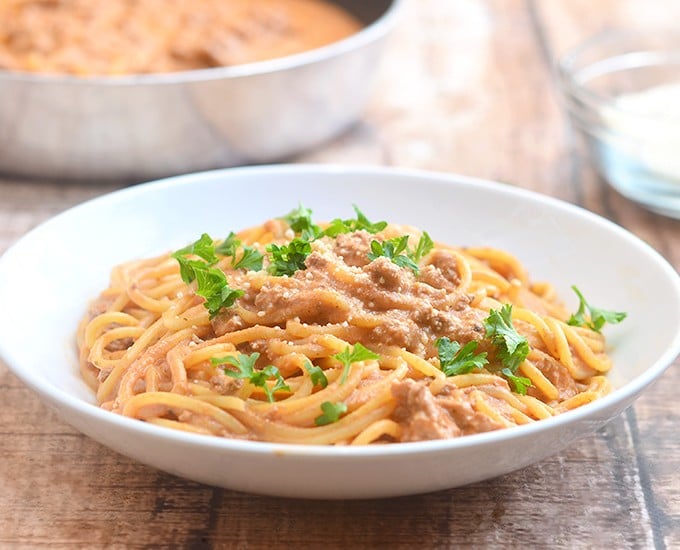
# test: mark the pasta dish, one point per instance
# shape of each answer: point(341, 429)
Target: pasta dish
point(349, 332)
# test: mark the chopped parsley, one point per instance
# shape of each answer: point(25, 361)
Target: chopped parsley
point(353, 355)
point(212, 285)
point(513, 348)
point(519, 383)
point(228, 246)
point(251, 259)
point(204, 248)
point(211, 282)
point(331, 413)
point(288, 258)
point(396, 249)
point(596, 317)
point(300, 221)
point(245, 365)
point(456, 359)
point(423, 248)
point(338, 226)
point(392, 249)
point(316, 374)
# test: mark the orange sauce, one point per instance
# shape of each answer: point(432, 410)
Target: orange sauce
point(112, 37)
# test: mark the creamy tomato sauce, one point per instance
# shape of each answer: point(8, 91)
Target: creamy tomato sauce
point(110, 37)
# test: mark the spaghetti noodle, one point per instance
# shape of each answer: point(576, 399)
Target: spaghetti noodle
point(375, 335)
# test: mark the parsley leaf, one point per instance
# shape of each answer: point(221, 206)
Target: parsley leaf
point(251, 259)
point(300, 221)
point(362, 222)
point(212, 285)
point(338, 226)
point(353, 355)
point(288, 258)
point(513, 348)
point(423, 248)
point(211, 282)
point(392, 249)
point(331, 413)
point(245, 365)
point(271, 371)
point(187, 267)
point(520, 383)
point(228, 246)
point(316, 374)
point(598, 317)
point(456, 359)
point(204, 248)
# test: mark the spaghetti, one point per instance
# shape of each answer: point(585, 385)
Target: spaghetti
point(375, 335)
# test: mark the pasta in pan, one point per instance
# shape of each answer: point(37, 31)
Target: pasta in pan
point(345, 333)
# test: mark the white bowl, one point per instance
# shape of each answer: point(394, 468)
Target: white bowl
point(48, 277)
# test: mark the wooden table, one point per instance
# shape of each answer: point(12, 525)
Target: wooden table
point(465, 87)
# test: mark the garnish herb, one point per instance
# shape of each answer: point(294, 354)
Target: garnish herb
point(211, 282)
point(331, 413)
point(338, 226)
point(316, 374)
point(251, 259)
point(245, 365)
point(353, 355)
point(287, 259)
point(423, 248)
point(392, 249)
point(396, 249)
point(520, 383)
point(212, 285)
point(513, 348)
point(596, 317)
point(456, 359)
point(228, 246)
point(204, 248)
point(300, 221)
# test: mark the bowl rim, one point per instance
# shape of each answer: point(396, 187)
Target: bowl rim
point(623, 394)
point(573, 88)
point(365, 36)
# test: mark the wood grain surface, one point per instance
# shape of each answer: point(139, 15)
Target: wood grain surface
point(466, 86)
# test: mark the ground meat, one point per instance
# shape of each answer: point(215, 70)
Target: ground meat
point(419, 415)
point(120, 344)
point(339, 284)
point(423, 416)
point(224, 384)
point(228, 323)
point(310, 305)
point(353, 248)
point(466, 417)
point(442, 271)
point(386, 274)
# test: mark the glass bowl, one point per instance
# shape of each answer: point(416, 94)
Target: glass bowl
point(622, 91)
